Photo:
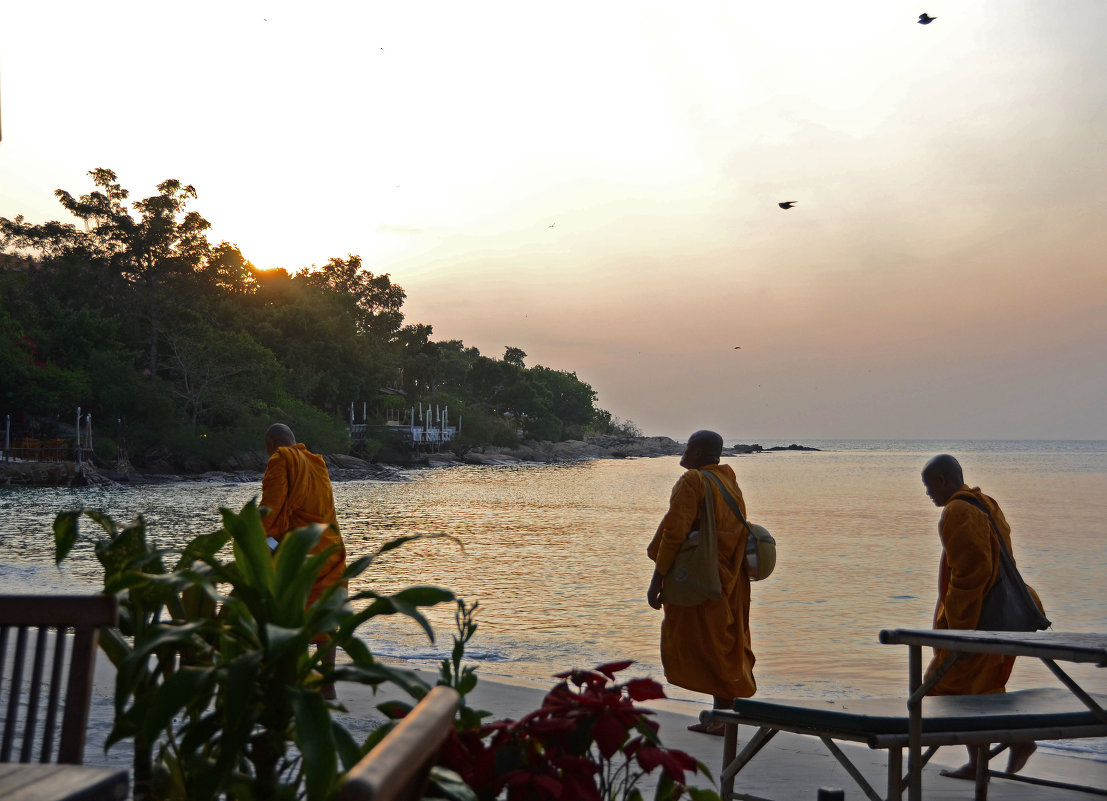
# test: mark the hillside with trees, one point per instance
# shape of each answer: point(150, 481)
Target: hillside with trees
point(183, 351)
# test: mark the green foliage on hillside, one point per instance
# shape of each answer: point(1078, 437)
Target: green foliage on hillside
point(184, 351)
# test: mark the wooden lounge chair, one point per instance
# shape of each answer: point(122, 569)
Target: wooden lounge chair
point(42, 636)
point(398, 768)
point(882, 723)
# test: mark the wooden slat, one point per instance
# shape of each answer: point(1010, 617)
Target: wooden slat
point(397, 768)
point(58, 610)
point(1067, 646)
point(22, 782)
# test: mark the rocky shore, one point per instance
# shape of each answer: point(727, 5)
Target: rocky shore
point(249, 466)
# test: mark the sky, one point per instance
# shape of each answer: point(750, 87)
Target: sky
point(597, 184)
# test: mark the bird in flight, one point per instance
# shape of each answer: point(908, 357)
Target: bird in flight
point(737, 347)
point(787, 204)
point(551, 225)
point(926, 19)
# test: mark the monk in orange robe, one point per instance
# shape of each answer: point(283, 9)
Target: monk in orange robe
point(706, 648)
point(966, 572)
point(296, 489)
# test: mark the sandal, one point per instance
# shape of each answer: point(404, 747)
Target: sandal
point(718, 729)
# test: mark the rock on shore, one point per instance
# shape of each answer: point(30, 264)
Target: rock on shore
point(249, 466)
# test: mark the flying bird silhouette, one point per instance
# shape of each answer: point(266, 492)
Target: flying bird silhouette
point(926, 19)
point(551, 225)
point(787, 204)
point(737, 347)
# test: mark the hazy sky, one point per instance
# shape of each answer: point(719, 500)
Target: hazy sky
point(597, 184)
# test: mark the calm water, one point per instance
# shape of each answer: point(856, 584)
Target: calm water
point(555, 554)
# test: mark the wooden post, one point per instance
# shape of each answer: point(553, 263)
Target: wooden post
point(914, 723)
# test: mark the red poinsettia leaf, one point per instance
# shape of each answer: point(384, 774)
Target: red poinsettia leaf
point(548, 786)
point(673, 765)
point(648, 757)
point(609, 733)
point(581, 767)
point(644, 689)
point(580, 788)
point(687, 761)
point(611, 668)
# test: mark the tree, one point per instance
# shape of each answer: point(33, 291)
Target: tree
point(148, 251)
point(218, 371)
point(377, 299)
point(515, 356)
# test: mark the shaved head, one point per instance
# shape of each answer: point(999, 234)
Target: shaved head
point(945, 466)
point(278, 435)
point(704, 447)
point(942, 477)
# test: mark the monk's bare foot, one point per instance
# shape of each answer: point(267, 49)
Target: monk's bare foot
point(709, 728)
point(964, 772)
point(1020, 753)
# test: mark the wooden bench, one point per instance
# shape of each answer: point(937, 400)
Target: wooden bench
point(399, 767)
point(883, 723)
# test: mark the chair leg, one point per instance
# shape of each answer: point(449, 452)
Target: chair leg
point(895, 774)
point(730, 749)
point(983, 754)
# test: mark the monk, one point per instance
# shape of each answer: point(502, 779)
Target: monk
point(705, 648)
point(296, 490)
point(967, 570)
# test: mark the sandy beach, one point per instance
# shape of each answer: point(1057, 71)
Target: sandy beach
point(790, 768)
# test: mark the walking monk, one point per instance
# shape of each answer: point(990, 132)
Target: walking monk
point(296, 489)
point(967, 570)
point(706, 648)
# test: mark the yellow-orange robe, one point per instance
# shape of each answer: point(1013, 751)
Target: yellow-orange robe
point(968, 569)
point(707, 648)
point(297, 490)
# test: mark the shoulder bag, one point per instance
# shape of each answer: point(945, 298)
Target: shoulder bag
point(694, 575)
point(1008, 606)
point(760, 545)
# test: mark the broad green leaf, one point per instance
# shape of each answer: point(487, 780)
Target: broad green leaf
point(105, 522)
point(315, 739)
point(701, 794)
point(65, 534)
point(292, 553)
point(184, 688)
point(423, 595)
point(666, 788)
point(279, 640)
point(114, 645)
point(251, 553)
point(377, 673)
point(204, 545)
point(117, 553)
point(239, 684)
point(446, 784)
point(357, 650)
point(345, 745)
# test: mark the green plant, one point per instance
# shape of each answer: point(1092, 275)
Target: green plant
point(587, 741)
point(216, 683)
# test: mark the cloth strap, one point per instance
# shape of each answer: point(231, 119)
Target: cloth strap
point(733, 504)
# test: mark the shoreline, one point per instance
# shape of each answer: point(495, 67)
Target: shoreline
point(249, 467)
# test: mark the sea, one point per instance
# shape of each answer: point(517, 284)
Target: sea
point(555, 555)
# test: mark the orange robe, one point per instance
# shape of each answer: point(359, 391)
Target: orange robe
point(297, 490)
point(968, 569)
point(707, 648)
